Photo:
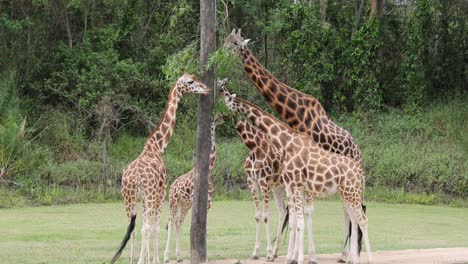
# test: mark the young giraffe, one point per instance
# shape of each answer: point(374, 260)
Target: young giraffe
point(300, 111)
point(145, 177)
point(181, 195)
point(308, 168)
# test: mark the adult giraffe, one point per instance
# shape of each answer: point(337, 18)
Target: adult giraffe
point(145, 177)
point(309, 169)
point(300, 111)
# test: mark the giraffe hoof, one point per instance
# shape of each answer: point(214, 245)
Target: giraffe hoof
point(275, 256)
point(340, 260)
point(254, 257)
point(166, 261)
point(180, 260)
point(270, 259)
point(291, 261)
point(312, 261)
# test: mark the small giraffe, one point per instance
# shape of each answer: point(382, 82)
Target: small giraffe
point(300, 111)
point(181, 194)
point(145, 177)
point(309, 169)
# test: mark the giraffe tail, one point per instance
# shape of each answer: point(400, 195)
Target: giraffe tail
point(360, 231)
point(286, 220)
point(285, 224)
point(130, 229)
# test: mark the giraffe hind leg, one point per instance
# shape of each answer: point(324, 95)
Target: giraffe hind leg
point(173, 208)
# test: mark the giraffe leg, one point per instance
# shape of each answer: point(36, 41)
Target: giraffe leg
point(298, 254)
point(129, 194)
point(255, 191)
point(278, 194)
point(145, 235)
point(308, 211)
point(157, 217)
point(173, 207)
point(357, 214)
point(353, 256)
point(266, 215)
point(180, 221)
point(346, 242)
point(292, 227)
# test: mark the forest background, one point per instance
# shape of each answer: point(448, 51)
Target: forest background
point(83, 82)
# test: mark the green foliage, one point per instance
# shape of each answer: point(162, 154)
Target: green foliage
point(18, 154)
point(8, 97)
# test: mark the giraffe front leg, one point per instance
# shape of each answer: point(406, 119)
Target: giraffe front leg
point(347, 237)
point(292, 227)
point(308, 212)
point(255, 191)
point(173, 207)
point(132, 247)
point(180, 221)
point(266, 220)
point(278, 194)
point(168, 243)
point(298, 254)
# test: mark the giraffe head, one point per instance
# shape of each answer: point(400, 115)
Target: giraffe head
point(218, 119)
point(190, 84)
point(234, 41)
point(229, 99)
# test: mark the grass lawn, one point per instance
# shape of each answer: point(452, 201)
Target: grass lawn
point(91, 233)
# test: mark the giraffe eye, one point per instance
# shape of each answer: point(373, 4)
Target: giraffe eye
point(190, 82)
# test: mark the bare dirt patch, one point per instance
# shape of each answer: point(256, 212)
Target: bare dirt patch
point(410, 256)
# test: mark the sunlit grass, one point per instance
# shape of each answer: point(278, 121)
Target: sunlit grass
point(91, 233)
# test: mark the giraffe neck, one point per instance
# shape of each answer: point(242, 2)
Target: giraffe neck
point(247, 133)
point(294, 107)
point(213, 148)
point(161, 135)
point(278, 133)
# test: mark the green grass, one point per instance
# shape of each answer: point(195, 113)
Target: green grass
point(91, 233)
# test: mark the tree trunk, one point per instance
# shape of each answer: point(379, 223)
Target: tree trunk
point(205, 105)
point(323, 10)
point(67, 24)
point(104, 166)
point(377, 8)
point(85, 18)
point(358, 7)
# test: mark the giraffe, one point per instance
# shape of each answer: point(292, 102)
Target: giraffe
point(262, 166)
point(181, 194)
point(309, 169)
point(145, 177)
point(300, 111)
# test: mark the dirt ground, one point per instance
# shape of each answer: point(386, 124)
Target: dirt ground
point(410, 256)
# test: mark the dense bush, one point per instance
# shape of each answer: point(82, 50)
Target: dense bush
point(390, 80)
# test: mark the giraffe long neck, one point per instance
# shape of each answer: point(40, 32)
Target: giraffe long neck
point(162, 134)
point(294, 107)
point(247, 133)
point(213, 148)
point(279, 133)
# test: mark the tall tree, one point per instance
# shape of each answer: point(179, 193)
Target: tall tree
point(377, 8)
point(205, 105)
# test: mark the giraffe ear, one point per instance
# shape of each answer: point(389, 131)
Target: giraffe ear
point(233, 95)
point(238, 32)
point(233, 31)
point(244, 43)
